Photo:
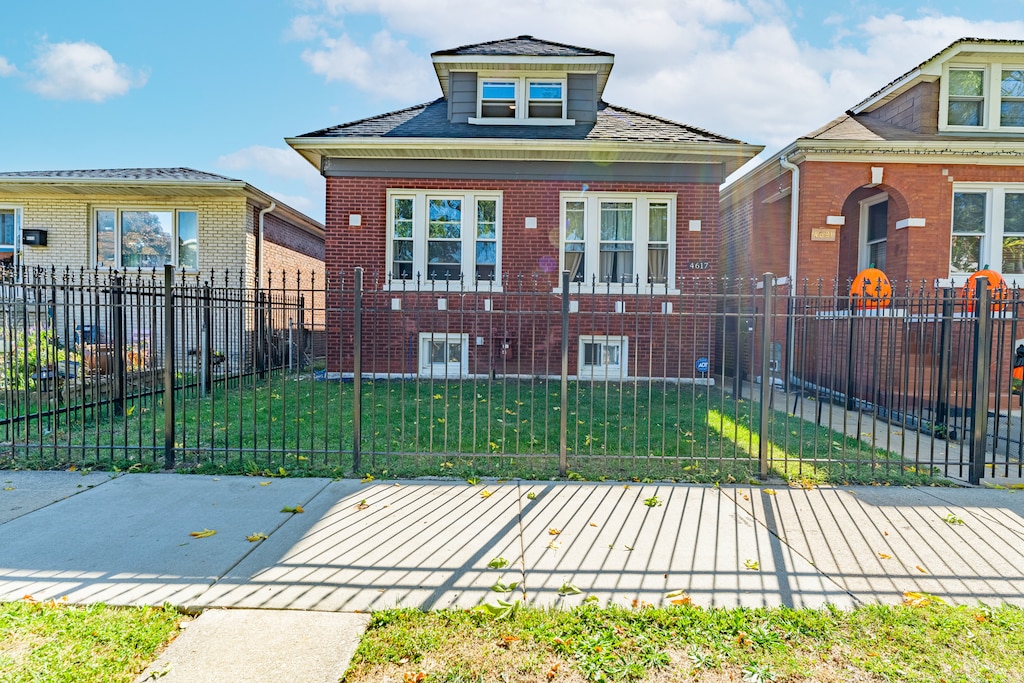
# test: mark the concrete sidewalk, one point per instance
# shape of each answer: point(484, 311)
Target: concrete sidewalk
point(427, 544)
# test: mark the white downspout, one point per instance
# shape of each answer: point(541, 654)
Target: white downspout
point(794, 225)
point(794, 215)
point(259, 244)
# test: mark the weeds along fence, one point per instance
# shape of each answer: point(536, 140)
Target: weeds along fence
point(705, 380)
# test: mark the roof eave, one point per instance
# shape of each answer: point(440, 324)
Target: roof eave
point(733, 155)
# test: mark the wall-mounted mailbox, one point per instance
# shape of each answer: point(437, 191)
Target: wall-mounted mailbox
point(33, 237)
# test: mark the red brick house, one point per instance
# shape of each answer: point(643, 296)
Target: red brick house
point(923, 179)
point(520, 170)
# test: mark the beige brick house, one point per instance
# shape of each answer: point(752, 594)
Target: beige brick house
point(143, 218)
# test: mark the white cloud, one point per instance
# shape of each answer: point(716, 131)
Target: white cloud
point(6, 68)
point(384, 67)
point(81, 71)
point(278, 162)
point(314, 208)
point(282, 166)
point(732, 66)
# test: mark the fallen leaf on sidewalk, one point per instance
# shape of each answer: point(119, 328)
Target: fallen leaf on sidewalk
point(531, 495)
point(485, 494)
point(554, 532)
point(592, 524)
point(205, 533)
point(752, 565)
point(916, 599)
point(258, 536)
point(769, 492)
point(554, 545)
point(498, 563)
point(921, 569)
point(885, 556)
point(361, 505)
point(264, 483)
point(367, 479)
point(295, 508)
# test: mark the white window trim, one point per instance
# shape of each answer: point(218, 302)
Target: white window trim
point(992, 240)
point(442, 370)
point(991, 97)
point(603, 372)
point(419, 240)
point(863, 253)
point(641, 226)
point(118, 210)
point(521, 101)
point(16, 261)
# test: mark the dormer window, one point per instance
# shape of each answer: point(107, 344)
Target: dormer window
point(1011, 104)
point(966, 97)
point(988, 98)
point(546, 100)
point(521, 100)
point(498, 99)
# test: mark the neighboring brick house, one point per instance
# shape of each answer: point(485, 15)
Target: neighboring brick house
point(131, 218)
point(517, 172)
point(923, 179)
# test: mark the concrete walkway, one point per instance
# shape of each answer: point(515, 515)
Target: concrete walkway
point(427, 544)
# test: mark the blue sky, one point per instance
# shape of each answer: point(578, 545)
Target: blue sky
point(217, 85)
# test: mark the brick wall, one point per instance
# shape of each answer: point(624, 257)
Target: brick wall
point(916, 190)
point(526, 254)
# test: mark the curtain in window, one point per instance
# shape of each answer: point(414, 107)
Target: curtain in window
point(657, 264)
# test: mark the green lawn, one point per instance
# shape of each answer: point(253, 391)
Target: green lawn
point(291, 424)
point(683, 643)
point(53, 642)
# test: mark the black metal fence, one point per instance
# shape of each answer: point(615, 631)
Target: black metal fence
point(707, 380)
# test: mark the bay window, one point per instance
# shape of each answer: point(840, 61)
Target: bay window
point(444, 236)
point(618, 239)
point(135, 238)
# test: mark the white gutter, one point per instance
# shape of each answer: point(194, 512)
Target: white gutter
point(794, 224)
point(794, 215)
point(259, 244)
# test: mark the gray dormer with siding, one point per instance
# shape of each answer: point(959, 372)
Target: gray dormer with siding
point(582, 70)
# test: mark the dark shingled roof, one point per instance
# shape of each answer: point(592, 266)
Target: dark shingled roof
point(521, 46)
point(430, 120)
point(170, 174)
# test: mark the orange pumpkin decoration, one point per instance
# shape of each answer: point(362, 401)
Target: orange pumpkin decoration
point(1000, 291)
point(871, 289)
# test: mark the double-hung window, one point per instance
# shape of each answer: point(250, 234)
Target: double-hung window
point(139, 238)
point(1011, 102)
point(966, 103)
point(988, 229)
point(444, 236)
point(983, 97)
point(521, 100)
point(618, 239)
point(498, 99)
